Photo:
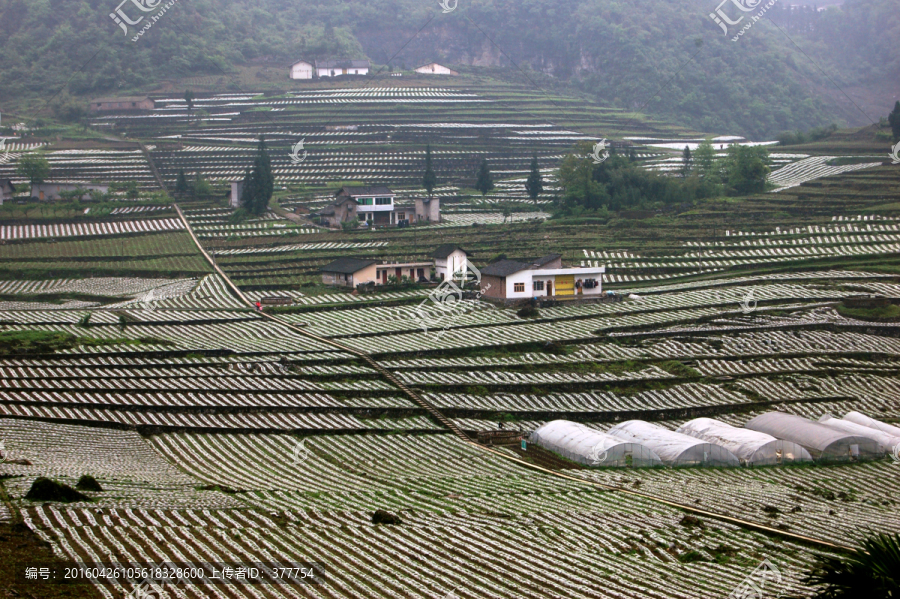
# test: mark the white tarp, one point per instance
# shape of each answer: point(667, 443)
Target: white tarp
point(752, 448)
point(886, 442)
point(591, 447)
point(674, 448)
point(822, 442)
point(872, 423)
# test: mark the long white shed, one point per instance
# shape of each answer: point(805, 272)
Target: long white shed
point(674, 449)
point(752, 448)
point(584, 445)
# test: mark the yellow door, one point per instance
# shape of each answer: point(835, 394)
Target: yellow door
point(565, 285)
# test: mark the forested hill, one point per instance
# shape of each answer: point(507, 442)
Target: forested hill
point(790, 74)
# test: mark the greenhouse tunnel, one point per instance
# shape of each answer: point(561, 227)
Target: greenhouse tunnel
point(591, 447)
point(674, 449)
point(752, 448)
point(823, 443)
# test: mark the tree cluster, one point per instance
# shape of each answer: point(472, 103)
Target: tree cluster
point(621, 183)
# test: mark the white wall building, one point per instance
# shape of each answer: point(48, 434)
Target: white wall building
point(302, 70)
point(449, 259)
point(543, 277)
point(335, 68)
point(434, 68)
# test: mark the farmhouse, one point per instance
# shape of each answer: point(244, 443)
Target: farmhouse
point(434, 68)
point(375, 205)
point(416, 271)
point(50, 191)
point(7, 189)
point(448, 259)
point(344, 66)
point(125, 103)
point(302, 70)
point(541, 277)
point(349, 272)
point(344, 209)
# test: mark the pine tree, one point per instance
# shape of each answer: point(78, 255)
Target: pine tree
point(686, 162)
point(483, 180)
point(429, 180)
point(181, 184)
point(259, 183)
point(894, 120)
point(534, 185)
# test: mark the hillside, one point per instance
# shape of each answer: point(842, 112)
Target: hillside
point(804, 69)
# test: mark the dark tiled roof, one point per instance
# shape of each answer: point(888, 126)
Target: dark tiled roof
point(445, 250)
point(504, 268)
point(342, 63)
point(347, 265)
point(544, 259)
point(365, 191)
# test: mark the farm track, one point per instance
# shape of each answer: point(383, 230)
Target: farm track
point(440, 417)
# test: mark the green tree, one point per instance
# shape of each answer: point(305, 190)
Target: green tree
point(534, 185)
point(189, 98)
point(181, 184)
point(429, 180)
point(33, 167)
point(484, 182)
point(259, 183)
point(576, 177)
point(201, 189)
point(746, 169)
point(873, 571)
point(705, 161)
point(894, 120)
point(687, 162)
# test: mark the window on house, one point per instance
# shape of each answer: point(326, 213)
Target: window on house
point(538, 285)
point(383, 201)
point(519, 287)
point(364, 201)
point(401, 216)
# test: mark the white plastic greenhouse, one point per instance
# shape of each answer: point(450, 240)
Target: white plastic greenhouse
point(885, 441)
point(590, 447)
point(872, 423)
point(752, 448)
point(674, 449)
point(822, 442)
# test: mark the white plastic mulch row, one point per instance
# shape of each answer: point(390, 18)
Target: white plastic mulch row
point(809, 169)
point(89, 229)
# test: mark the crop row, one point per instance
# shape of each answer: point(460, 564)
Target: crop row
point(8, 232)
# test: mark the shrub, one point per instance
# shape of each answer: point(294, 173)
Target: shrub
point(44, 489)
point(383, 517)
point(88, 483)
